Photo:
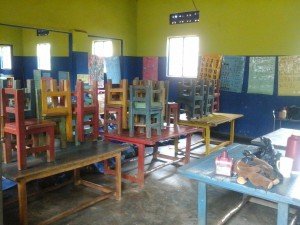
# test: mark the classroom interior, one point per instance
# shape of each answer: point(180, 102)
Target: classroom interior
point(243, 54)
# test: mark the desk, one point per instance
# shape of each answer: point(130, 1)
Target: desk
point(67, 160)
point(203, 170)
point(141, 141)
point(213, 120)
point(278, 137)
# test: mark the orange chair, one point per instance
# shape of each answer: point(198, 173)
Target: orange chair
point(25, 131)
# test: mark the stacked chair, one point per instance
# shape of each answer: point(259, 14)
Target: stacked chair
point(217, 96)
point(86, 110)
point(192, 97)
point(160, 92)
point(145, 110)
point(55, 104)
point(24, 130)
point(199, 97)
point(116, 104)
point(209, 96)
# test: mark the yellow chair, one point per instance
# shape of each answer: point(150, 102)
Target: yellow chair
point(117, 95)
point(56, 102)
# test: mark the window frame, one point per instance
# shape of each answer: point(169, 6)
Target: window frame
point(38, 60)
point(103, 41)
point(182, 67)
point(11, 57)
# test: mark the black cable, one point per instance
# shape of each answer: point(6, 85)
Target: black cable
point(195, 5)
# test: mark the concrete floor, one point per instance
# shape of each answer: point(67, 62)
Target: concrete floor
point(167, 199)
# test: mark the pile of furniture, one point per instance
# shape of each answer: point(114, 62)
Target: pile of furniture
point(199, 97)
point(31, 118)
point(140, 107)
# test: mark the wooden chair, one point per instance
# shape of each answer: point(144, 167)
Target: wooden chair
point(217, 94)
point(30, 104)
point(56, 105)
point(159, 91)
point(118, 95)
point(191, 96)
point(113, 116)
point(25, 130)
point(142, 105)
point(86, 107)
point(8, 83)
point(172, 112)
point(209, 96)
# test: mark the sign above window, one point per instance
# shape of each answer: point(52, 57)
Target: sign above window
point(184, 17)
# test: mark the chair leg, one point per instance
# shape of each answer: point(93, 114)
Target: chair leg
point(95, 121)
point(158, 129)
point(131, 127)
point(21, 152)
point(50, 141)
point(119, 118)
point(148, 125)
point(7, 148)
point(62, 132)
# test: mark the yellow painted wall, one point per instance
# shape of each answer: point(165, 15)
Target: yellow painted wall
point(12, 36)
point(108, 18)
point(59, 43)
point(229, 27)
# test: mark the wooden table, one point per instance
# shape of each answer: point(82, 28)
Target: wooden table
point(278, 137)
point(141, 141)
point(203, 170)
point(210, 121)
point(67, 160)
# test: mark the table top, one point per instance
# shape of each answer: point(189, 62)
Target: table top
point(203, 170)
point(140, 138)
point(278, 137)
point(211, 120)
point(65, 160)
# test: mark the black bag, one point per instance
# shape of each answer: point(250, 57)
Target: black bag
point(293, 112)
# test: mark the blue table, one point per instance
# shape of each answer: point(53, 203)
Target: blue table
point(203, 170)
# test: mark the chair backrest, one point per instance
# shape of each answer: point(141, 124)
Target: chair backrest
point(116, 94)
point(86, 96)
point(13, 101)
point(30, 99)
point(141, 94)
point(145, 94)
point(55, 100)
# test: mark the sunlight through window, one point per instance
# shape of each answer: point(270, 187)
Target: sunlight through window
point(182, 55)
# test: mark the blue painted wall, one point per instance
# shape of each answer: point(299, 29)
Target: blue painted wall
point(132, 67)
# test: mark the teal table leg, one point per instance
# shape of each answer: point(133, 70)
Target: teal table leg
point(201, 203)
point(282, 213)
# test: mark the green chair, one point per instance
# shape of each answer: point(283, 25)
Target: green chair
point(143, 110)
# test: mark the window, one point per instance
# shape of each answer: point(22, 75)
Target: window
point(102, 48)
point(43, 56)
point(5, 55)
point(182, 53)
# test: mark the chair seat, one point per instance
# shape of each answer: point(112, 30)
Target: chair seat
point(31, 124)
point(142, 105)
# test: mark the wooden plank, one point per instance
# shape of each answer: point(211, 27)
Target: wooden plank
point(75, 209)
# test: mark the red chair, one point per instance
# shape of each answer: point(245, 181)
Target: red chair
point(84, 108)
point(25, 131)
